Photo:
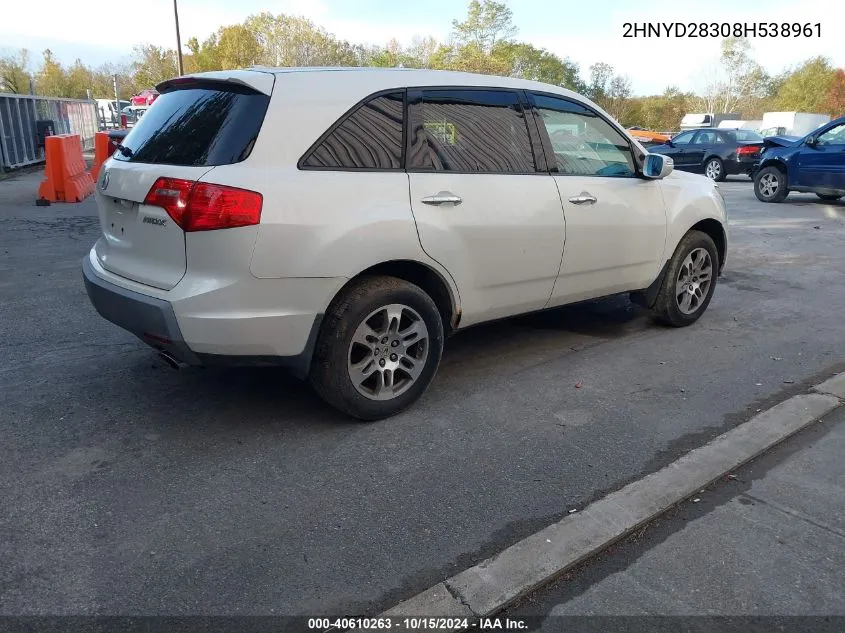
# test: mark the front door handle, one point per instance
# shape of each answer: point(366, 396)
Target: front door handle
point(444, 197)
point(584, 198)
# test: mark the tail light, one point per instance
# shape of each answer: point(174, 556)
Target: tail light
point(747, 150)
point(202, 206)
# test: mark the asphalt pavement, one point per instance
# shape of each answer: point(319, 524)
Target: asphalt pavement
point(129, 488)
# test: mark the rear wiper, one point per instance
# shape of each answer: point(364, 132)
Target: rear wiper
point(125, 151)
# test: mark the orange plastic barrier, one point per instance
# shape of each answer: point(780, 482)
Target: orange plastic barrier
point(65, 178)
point(102, 150)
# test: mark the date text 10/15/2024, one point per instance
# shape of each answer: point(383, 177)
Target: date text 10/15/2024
point(416, 624)
point(721, 29)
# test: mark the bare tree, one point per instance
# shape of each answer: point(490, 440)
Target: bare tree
point(734, 80)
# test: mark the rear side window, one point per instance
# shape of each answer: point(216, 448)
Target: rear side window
point(197, 125)
point(368, 138)
point(469, 131)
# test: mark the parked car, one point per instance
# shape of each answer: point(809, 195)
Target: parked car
point(145, 98)
point(813, 164)
point(714, 152)
point(343, 224)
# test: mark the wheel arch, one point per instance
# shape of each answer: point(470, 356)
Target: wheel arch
point(717, 233)
point(426, 277)
point(774, 162)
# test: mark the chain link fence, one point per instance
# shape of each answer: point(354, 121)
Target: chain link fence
point(26, 119)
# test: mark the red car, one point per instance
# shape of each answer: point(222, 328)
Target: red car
point(145, 97)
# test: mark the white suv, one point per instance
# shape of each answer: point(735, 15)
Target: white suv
point(344, 222)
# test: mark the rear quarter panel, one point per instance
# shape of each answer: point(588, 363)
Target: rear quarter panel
point(320, 223)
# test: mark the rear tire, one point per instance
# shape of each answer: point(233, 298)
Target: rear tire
point(714, 169)
point(770, 185)
point(388, 335)
point(828, 198)
point(689, 282)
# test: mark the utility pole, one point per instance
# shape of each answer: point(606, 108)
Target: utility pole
point(178, 40)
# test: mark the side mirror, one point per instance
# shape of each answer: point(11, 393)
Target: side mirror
point(657, 166)
point(670, 143)
point(811, 141)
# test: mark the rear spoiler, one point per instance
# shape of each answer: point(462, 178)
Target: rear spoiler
point(255, 79)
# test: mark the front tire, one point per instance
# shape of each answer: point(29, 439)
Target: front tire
point(770, 185)
point(378, 349)
point(689, 282)
point(715, 170)
point(828, 197)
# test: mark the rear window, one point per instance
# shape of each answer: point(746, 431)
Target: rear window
point(748, 135)
point(197, 125)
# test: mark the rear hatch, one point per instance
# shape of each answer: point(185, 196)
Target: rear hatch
point(749, 145)
point(748, 151)
point(196, 124)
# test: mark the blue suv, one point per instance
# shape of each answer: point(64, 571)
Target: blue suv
point(813, 164)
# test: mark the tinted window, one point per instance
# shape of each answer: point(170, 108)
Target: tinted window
point(369, 138)
point(583, 143)
point(478, 131)
point(707, 138)
point(682, 139)
point(197, 125)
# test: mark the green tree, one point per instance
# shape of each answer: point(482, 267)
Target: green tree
point(14, 73)
point(835, 98)
point(486, 24)
point(153, 64)
point(661, 113)
point(611, 92)
point(537, 64)
point(51, 80)
point(805, 89)
point(204, 57)
point(285, 40)
point(78, 80)
point(237, 47)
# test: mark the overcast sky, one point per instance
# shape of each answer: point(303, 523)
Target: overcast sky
point(586, 31)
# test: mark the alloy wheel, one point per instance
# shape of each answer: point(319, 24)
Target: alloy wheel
point(388, 352)
point(713, 170)
point(694, 280)
point(769, 185)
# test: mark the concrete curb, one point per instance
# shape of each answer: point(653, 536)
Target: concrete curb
point(497, 582)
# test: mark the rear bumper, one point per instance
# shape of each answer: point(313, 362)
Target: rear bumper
point(150, 319)
point(741, 166)
point(215, 337)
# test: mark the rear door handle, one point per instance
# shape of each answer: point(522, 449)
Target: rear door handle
point(584, 198)
point(444, 197)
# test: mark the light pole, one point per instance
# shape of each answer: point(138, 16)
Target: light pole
point(178, 40)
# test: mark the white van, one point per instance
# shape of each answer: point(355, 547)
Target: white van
point(109, 111)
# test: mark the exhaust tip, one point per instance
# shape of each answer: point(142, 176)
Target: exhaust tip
point(170, 360)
